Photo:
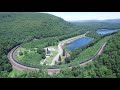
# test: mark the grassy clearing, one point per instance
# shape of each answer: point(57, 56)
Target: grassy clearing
point(49, 60)
point(40, 43)
point(31, 57)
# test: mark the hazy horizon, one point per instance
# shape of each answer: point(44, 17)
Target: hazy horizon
point(73, 16)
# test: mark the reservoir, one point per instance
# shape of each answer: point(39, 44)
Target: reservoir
point(78, 43)
point(105, 31)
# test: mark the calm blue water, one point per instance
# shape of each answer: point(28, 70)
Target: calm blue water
point(78, 43)
point(105, 31)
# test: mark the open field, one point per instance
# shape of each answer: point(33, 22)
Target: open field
point(31, 57)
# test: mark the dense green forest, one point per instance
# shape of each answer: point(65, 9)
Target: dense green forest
point(93, 26)
point(20, 28)
point(105, 66)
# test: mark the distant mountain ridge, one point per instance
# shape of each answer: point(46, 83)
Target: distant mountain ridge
point(107, 20)
point(112, 20)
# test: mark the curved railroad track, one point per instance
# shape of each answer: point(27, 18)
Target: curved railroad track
point(19, 66)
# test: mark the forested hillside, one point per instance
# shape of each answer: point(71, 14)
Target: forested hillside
point(93, 26)
point(105, 66)
point(18, 28)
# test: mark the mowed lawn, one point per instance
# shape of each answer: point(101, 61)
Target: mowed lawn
point(32, 57)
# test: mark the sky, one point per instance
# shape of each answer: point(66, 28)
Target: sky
point(71, 16)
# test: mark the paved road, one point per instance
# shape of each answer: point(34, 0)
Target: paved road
point(50, 71)
point(62, 43)
point(60, 50)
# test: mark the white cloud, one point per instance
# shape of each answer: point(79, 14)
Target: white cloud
point(86, 15)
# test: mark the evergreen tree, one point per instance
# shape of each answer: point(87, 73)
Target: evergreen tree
point(40, 51)
point(48, 52)
point(43, 55)
point(64, 52)
point(59, 59)
point(20, 53)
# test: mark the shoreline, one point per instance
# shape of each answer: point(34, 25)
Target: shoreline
point(61, 47)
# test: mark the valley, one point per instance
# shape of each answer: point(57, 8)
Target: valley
point(43, 45)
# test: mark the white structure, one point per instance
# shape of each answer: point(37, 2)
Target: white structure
point(50, 54)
